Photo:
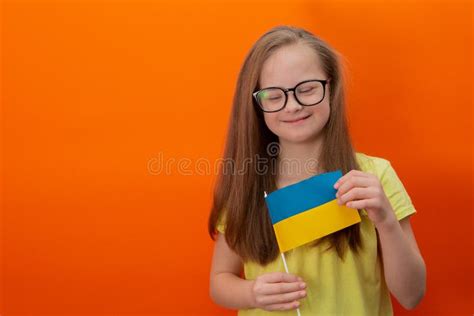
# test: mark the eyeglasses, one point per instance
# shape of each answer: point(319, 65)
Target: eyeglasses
point(307, 93)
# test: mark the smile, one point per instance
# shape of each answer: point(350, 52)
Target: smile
point(298, 120)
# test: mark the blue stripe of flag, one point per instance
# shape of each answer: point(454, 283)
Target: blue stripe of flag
point(302, 196)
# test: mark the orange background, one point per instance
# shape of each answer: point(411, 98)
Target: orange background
point(94, 92)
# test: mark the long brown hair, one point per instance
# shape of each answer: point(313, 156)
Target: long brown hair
point(239, 193)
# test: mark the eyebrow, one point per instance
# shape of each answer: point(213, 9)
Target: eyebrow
point(276, 86)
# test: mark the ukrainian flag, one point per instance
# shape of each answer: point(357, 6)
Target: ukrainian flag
point(307, 210)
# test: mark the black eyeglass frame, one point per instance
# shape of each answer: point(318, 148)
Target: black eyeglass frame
point(285, 91)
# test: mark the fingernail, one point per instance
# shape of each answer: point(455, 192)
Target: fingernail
point(300, 279)
point(302, 285)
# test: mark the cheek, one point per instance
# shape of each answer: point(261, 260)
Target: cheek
point(271, 120)
point(322, 112)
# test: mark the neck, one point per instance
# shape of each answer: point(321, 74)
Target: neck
point(298, 161)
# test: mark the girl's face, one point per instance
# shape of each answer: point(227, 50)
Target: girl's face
point(285, 68)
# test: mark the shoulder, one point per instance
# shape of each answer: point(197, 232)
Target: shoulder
point(390, 181)
point(372, 164)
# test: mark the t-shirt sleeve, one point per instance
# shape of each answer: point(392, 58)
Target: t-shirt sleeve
point(221, 224)
point(395, 191)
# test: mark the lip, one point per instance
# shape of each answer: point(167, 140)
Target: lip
point(298, 120)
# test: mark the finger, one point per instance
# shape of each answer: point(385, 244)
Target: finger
point(349, 175)
point(353, 182)
point(282, 287)
point(283, 307)
point(356, 193)
point(360, 204)
point(279, 277)
point(282, 298)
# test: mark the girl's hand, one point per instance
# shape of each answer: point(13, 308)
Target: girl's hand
point(361, 190)
point(277, 291)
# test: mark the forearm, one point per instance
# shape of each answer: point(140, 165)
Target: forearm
point(231, 291)
point(404, 268)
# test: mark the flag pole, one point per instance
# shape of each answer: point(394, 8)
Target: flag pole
point(284, 262)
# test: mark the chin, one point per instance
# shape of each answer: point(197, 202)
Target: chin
point(298, 137)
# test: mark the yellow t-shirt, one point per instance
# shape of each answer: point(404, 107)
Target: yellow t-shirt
point(353, 287)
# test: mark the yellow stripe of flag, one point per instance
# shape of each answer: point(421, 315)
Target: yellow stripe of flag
point(314, 223)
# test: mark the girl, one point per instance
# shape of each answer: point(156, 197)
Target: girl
point(290, 93)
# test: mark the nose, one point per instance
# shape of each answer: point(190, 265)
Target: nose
point(291, 104)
